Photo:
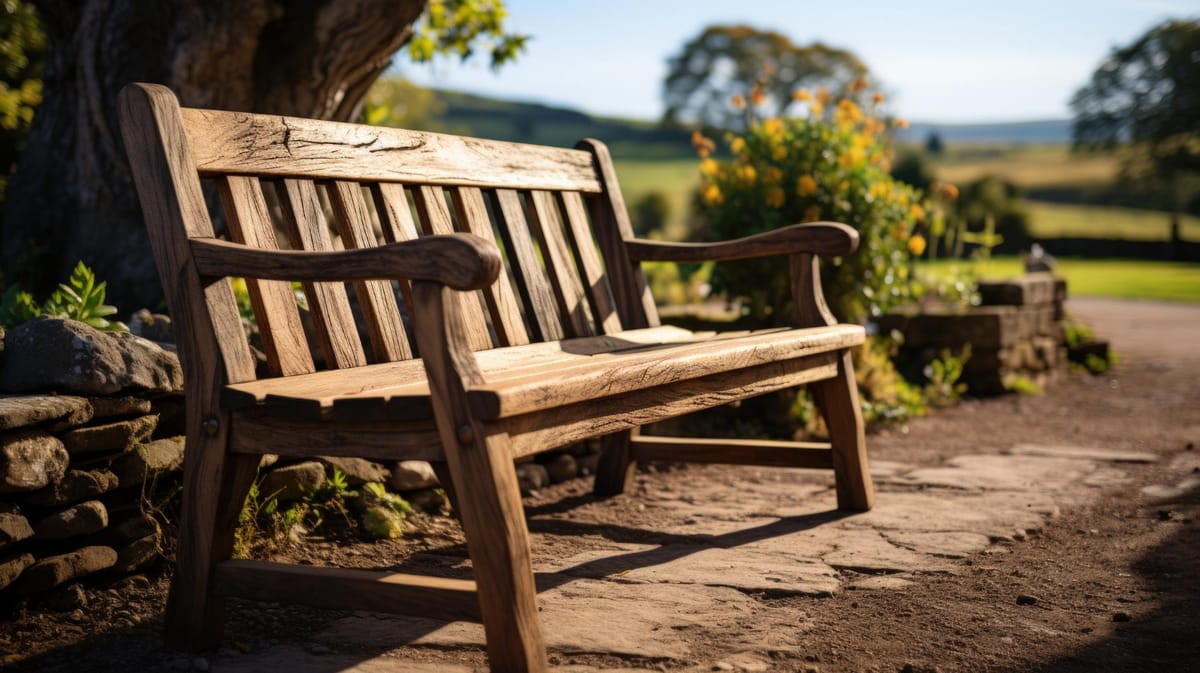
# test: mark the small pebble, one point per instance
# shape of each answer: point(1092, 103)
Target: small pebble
point(1026, 599)
point(1122, 617)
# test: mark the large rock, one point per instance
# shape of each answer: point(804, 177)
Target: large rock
point(141, 553)
point(71, 357)
point(12, 567)
point(13, 528)
point(410, 475)
point(76, 485)
point(134, 526)
point(82, 519)
point(292, 482)
point(116, 437)
point(532, 477)
point(149, 461)
point(18, 411)
point(30, 460)
point(152, 326)
point(358, 471)
point(126, 405)
point(56, 570)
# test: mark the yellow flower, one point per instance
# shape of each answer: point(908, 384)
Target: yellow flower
point(710, 168)
point(822, 96)
point(774, 128)
point(900, 123)
point(757, 97)
point(779, 152)
point(772, 175)
point(712, 195)
point(811, 214)
point(739, 102)
point(801, 95)
point(847, 114)
point(916, 211)
point(948, 191)
point(704, 146)
point(858, 84)
point(775, 197)
point(816, 109)
point(747, 174)
point(806, 185)
point(916, 245)
point(877, 98)
point(738, 145)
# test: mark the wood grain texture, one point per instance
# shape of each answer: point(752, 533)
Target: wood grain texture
point(767, 453)
point(436, 220)
point(472, 215)
point(546, 223)
point(274, 304)
point(560, 426)
point(257, 434)
point(532, 283)
point(616, 465)
point(268, 145)
point(350, 589)
point(829, 239)
point(587, 260)
point(481, 468)
point(396, 220)
point(212, 350)
point(328, 302)
point(385, 330)
point(610, 221)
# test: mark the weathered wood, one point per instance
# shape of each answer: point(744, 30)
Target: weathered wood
point(546, 223)
point(273, 301)
point(435, 218)
point(350, 589)
point(237, 142)
point(481, 468)
point(599, 291)
point(328, 302)
point(257, 434)
point(610, 222)
point(561, 426)
point(460, 261)
point(472, 215)
point(767, 453)
point(385, 331)
point(532, 283)
point(396, 220)
point(829, 239)
point(616, 466)
point(213, 350)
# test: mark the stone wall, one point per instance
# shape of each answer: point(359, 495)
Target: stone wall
point(1016, 333)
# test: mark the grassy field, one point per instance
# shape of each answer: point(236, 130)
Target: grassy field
point(1127, 279)
point(1053, 220)
point(675, 178)
point(1028, 167)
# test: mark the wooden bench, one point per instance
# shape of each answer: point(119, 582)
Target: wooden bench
point(512, 270)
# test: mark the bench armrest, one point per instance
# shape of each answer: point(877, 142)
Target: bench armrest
point(459, 261)
point(828, 239)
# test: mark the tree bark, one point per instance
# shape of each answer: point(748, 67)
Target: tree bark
point(72, 197)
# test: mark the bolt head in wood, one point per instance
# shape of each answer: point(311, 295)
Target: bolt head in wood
point(211, 425)
point(466, 435)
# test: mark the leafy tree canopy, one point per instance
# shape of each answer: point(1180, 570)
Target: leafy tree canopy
point(765, 67)
point(1147, 93)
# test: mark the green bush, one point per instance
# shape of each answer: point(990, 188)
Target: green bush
point(80, 298)
point(808, 169)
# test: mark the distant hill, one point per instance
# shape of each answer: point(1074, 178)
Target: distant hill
point(516, 121)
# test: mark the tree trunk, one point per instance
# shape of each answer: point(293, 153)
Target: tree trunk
point(72, 197)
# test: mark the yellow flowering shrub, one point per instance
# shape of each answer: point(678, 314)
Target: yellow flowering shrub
point(831, 167)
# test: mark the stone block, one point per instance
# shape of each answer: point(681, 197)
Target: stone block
point(358, 471)
point(13, 528)
point(1027, 290)
point(76, 485)
point(82, 519)
point(30, 460)
point(140, 553)
point(410, 475)
point(562, 467)
point(983, 327)
point(135, 526)
point(109, 407)
point(58, 570)
point(11, 568)
point(19, 411)
point(149, 461)
point(292, 482)
point(532, 477)
point(116, 437)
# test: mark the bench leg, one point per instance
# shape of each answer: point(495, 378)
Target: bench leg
point(498, 540)
point(837, 398)
point(208, 519)
point(614, 471)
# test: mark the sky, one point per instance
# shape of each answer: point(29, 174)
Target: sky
point(950, 62)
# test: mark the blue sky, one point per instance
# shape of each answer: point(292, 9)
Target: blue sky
point(961, 61)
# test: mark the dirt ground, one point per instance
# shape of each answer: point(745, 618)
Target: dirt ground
point(1112, 583)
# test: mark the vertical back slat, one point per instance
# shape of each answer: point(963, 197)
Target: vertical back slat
point(435, 216)
point(397, 222)
point(389, 342)
point(611, 223)
point(546, 223)
point(332, 316)
point(273, 300)
point(604, 309)
point(472, 216)
point(531, 281)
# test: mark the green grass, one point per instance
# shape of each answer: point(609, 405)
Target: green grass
point(1028, 167)
point(1125, 279)
point(675, 178)
point(1055, 220)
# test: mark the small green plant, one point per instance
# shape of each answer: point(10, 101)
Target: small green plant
point(80, 298)
point(943, 388)
point(1023, 385)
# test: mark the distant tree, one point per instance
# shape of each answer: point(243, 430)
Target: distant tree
point(726, 61)
point(934, 145)
point(1147, 94)
point(911, 167)
point(22, 51)
point(650, 213)
point(73, 198)
point(397, 102)
point(990, 202)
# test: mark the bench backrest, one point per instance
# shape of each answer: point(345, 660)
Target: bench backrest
point(557, 215)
